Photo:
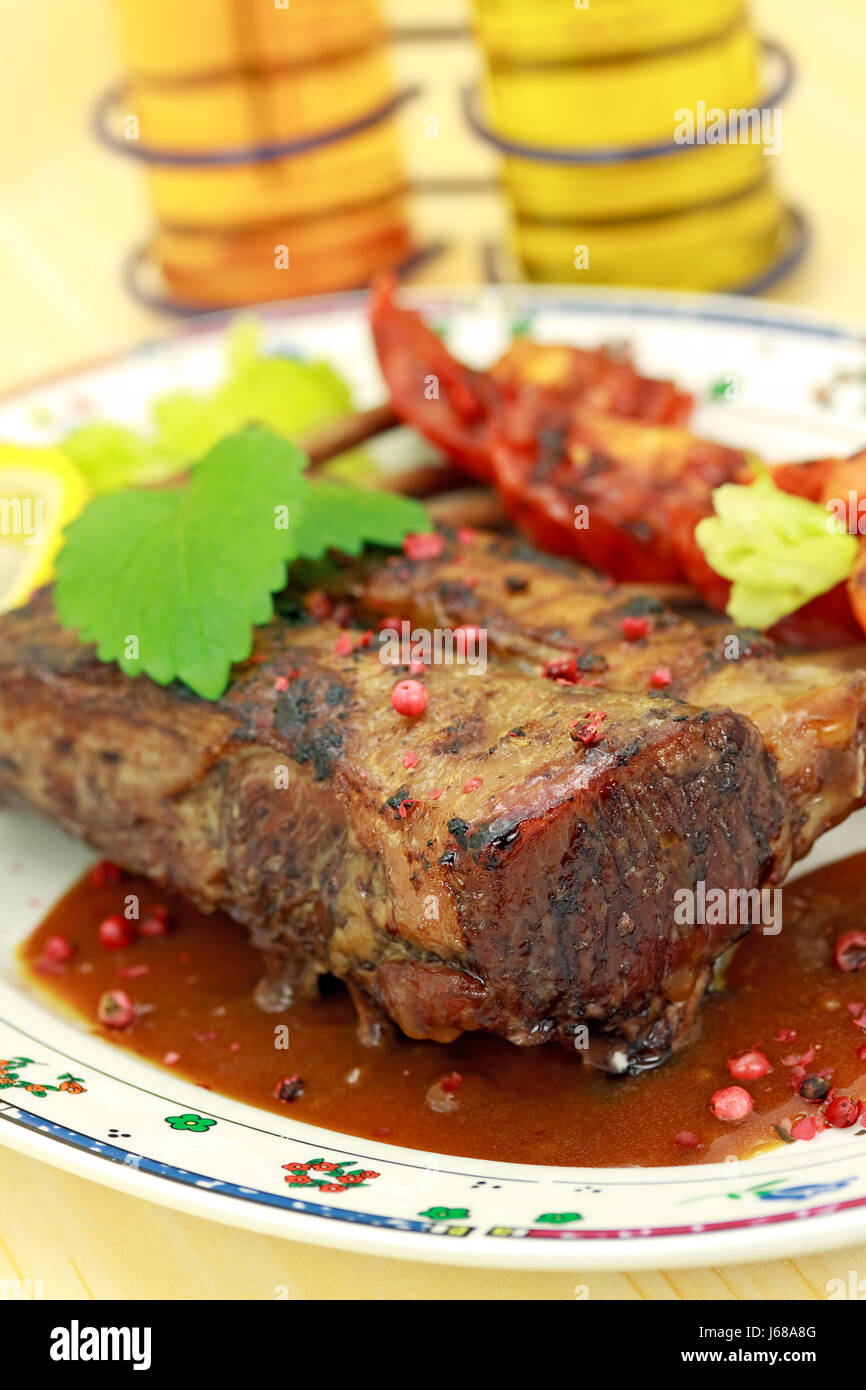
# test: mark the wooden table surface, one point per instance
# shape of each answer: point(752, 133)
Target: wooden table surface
point(68, 213)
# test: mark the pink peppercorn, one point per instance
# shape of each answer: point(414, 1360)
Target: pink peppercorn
point(796, 1079)
point(563, 670)
point(473, 784)
point(410, 759)
point(409, 698)
point(155, 921)
point(634, 628)
point(849, 953)
point(116, 933)
point(687, 1140)
point(423, 546)
point(842, 1112)
point(661, 677)
point(105, 874)
point(115, 1009)
point(749, 1066)
point(58, 949)
point(732, 1104)
point(451, 1083)
point(805, 1128)
point(343, 645)
point(289, 1088)
point(587, 733)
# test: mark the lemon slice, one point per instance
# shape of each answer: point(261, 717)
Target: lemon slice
point(40, 492)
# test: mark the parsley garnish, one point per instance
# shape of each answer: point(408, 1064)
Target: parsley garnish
point(171, 583)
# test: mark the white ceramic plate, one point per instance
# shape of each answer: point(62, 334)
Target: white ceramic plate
point(787, 386)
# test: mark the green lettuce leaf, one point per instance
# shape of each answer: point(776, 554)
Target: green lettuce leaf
point(112, 456)
point(285, 395)
point(778, 550)
point(281, 394)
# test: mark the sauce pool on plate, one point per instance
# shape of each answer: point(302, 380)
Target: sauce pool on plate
point(798, 999)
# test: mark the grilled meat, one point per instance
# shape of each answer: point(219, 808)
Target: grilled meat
point(536, 609)
point(520, 876)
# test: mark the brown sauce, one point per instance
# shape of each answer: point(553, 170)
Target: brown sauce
point(529, 1105)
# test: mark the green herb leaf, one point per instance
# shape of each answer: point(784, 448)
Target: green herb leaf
point(286, 395)
point(283, 394)
point(171, 583)
point(112, 456)
point(333, 517)
point(778, 550)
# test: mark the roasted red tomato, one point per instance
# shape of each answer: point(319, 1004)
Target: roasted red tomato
point(593, 461)
point(857, 588)
point(458, 408)
point(826, 621)
point(594, 378)
point(450, 404)
point(603, 489)
point(838, 617)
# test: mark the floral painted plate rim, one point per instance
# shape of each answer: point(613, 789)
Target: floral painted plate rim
point(785, 383)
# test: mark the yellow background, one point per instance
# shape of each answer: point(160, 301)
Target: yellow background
point(68, 213)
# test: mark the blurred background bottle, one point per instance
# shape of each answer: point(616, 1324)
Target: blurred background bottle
point(268, 135)
point(587, 105)
point(416, 174)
